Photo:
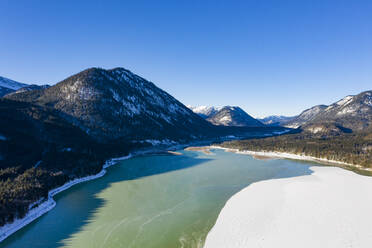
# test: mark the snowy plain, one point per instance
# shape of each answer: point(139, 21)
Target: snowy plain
point(329, 208)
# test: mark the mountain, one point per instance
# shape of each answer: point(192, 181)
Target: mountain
point(276, 120)
point(116, 105)
point(352, 113)
point(305, 117)
point(204, 111)
point(8, 86)
point(234, 116)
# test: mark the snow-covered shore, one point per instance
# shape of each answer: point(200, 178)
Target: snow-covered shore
point(290, 156)
point(329, 208)
point(46, 205)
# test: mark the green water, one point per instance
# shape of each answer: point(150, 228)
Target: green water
point(151, 201)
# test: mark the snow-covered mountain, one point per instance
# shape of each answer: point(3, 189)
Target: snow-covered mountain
point(349, 113)
point(352, 112)
point(119, 105)
point(234, 116)
point(357, 105)
point(306, 116)
point(7, 86)
point(276, 120)
point(204, 111)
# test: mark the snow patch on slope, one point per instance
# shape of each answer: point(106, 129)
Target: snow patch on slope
point(11, 84)
point(204, 110)
point(345, 100)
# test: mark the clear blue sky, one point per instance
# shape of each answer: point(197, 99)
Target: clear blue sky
point(269, 57)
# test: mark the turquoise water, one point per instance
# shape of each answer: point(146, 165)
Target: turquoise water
point(151, 201)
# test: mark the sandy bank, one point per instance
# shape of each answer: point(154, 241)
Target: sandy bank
point(329, 208)
point(174, 153)
point(204, 149)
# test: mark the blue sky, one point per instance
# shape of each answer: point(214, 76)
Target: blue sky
point(269, 57)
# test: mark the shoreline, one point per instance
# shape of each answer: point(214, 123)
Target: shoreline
point(286, 155)
point(45, 206)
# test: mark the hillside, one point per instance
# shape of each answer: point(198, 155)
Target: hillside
point(39, 151)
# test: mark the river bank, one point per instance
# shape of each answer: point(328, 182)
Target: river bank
point(45, 205)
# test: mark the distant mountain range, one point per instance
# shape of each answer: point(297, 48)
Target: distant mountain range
point(8, 86)
point(30, 87)
point(340, 132)
point(276, 120)
point(305, 116)
point(204, 111)
point(232, 116)
point(351, 113)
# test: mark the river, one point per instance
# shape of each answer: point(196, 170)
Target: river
point(156, 201)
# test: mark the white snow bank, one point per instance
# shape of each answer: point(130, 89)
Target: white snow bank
point(45, 206)
point(329, 208)
point(291, 156)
